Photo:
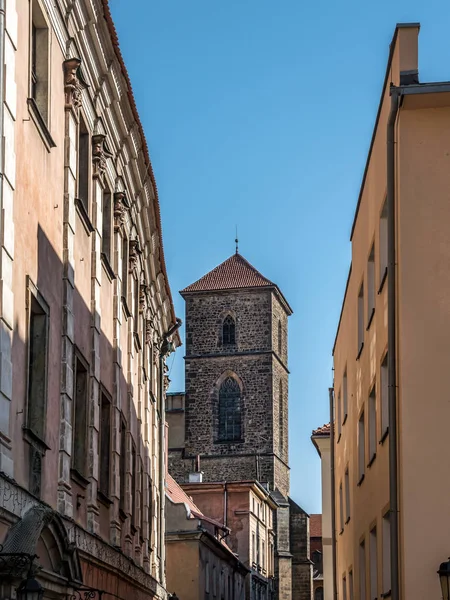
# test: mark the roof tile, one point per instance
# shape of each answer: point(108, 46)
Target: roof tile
point(324, 430)
point(315, 525)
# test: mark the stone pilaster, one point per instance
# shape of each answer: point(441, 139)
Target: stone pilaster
point(7, 183)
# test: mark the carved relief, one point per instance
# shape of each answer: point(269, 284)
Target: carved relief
point(142, 297)
point(148, 331)
point(98, 155)
point(135, 250)
point(120, 210)
point(72, 84)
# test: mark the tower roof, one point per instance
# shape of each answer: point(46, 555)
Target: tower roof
point(234, 273)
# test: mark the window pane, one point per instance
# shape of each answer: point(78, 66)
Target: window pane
point(37, 369)
point(79, 453)
point(361, 447)
point(384, 396)
point(229, 410)
point(372, 424)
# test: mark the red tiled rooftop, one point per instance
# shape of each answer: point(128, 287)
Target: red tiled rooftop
point(315, 525)
point(235, 272)
point(324, 430)
point(178, 495)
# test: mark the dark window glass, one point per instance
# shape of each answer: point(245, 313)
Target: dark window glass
point(123, 450)
point(106, 225)
point(37, 369)
point(229, 410)
point(79, 452)
point(105, 445)
point(229, 331)
point(83, 164)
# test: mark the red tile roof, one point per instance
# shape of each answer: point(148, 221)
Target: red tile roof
point(315, 526)
point(324, 430)
point(235, 272)
point(178, 495)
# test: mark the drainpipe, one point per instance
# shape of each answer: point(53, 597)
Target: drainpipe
point(333, 492)
point(392, 346)
point(166, 348)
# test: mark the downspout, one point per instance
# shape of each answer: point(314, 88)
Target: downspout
point(333, 491)
point(392, 346)
point(166, 348)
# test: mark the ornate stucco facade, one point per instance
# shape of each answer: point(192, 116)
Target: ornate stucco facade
point(86, 315)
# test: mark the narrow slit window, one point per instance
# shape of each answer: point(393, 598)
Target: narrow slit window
point(373, 564)
point(350, 585)
point(371, 285)
point(80, 420)
point(341, 508)
point(360, 318)
point(339, 416)
point(107, 225)
point(123, 464)
point(125, 251)
point(362, 571)
point(386, 554)
point(344, 396)
point(384, 396)
point(347, 496)
point(361, 447)
point(133, 485)
point(344, 588)
point(280, 338)
point(372, 424)
point(83, 164)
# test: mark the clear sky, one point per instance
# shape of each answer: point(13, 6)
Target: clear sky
point(260, 114)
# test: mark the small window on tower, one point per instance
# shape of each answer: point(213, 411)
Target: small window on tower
point(228, 331)
point(280, 338)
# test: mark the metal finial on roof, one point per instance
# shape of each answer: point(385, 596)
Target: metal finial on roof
point(237, 242)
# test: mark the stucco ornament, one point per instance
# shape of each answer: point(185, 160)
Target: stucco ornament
point(98, 154)
point(120, 210)
point(135, 250)
point(142, 297)
point(72, 83)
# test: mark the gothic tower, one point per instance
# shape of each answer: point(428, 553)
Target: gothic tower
point(236, 403)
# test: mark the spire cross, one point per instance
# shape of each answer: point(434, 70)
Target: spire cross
point(237, 242)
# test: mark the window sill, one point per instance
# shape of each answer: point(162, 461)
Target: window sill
point(371, 461)
point(239, 441)
point(122, 515)
point(386, 594)
point(384, 436)
point(79, 478)
point(133, 529)
point(103, 498)
point(107, 266)
point(361, 479)
point(34, 440)
point(383, 279)
point(126, 310)
point(360, 351)
point(347, 521)
point(137, 341)
point(339, 438)
point(83, 214)
point(41, 126)
point(345, 419)
point(369, 322)
point(341, 531)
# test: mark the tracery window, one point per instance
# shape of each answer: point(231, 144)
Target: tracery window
point(229, 410)
point(228, 331)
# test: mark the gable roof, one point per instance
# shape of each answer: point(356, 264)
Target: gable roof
point(325, 430)
point(178, 496)
point(234, 273)
point(315, 526)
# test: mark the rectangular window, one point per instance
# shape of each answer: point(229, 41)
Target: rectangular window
point(344, 396)
point(384, 397)
point(207, 578)
point(105, 444)
point(350, 585)
point(263, 554)
point(383, 246)
point(37, 365)
point(386, 554)
point(373, 564)
point(361, 447)
point(150, 512)
point(136, 305)
point(362, 571)
point(141, 496)
point(339, 417)
point(80, 417)
point(39, 76)
point(123, 464)
point(371, 285)
point(133, 486)
point(344, 588)
point(125, 268)
point(107, 227)
point(254, 547)
point(83, 174)
point(214, 580)
point(347, 496)
point(372, 425)
point(341, 509)
point(360, 318)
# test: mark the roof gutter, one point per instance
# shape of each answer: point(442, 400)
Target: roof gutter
point(396, 94)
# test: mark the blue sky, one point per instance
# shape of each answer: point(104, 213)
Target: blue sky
point(260, 114)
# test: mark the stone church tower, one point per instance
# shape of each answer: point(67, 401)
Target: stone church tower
point(236, 399)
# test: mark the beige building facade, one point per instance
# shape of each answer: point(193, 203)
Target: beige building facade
point(86, 314)
point(391, 353)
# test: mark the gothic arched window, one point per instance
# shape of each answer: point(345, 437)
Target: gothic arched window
point(229, 410)
point(228, 331)
point(280, 338)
